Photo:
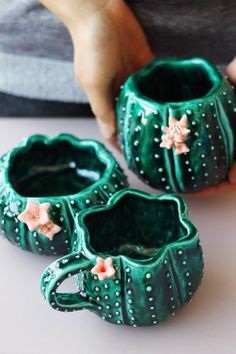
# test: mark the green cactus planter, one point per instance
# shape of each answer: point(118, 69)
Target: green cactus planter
point(45, 181)
point(137, 260)
point(176, 122)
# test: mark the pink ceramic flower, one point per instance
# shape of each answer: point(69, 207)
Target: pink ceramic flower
point(49, 230)
point(176, 134)
point(104, 268)
point(35, 215)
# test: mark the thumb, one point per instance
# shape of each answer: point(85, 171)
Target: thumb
point(102, 104)
point(231, 71)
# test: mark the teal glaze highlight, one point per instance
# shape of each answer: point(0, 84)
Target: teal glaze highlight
point(155, 251)
point(176, 87)
point(70, 173)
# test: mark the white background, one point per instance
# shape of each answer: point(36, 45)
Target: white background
point(207, 325)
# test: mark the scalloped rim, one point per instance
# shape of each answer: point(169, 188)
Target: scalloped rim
point(182, 212)
point(102, 155)
point(215, 77)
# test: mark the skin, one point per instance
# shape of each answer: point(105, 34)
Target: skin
point(106, 31)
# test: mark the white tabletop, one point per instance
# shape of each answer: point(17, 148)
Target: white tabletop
point(206, 325)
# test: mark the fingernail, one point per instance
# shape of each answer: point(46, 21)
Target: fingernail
point(107, 130)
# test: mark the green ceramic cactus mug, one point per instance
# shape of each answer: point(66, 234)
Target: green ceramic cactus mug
point(176, 122)
point(45, 181)
point(137, 260)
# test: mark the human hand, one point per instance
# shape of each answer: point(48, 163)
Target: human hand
point(109, 45)
point(230, 184)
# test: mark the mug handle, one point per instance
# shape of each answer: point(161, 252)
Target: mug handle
point(55, 274)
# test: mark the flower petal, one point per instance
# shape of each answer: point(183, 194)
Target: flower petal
point(184, 120)
point(24, 216)
point(181, 148)
point(172, 121)
point(102, 276)
point(32, 207)
point(110, 272)
point(43, 215)
point(33, 225)
point(27, 218)
point(108, 261)
point(95, 269)
point(165, 129)
point(186, 131)
point(49, 230)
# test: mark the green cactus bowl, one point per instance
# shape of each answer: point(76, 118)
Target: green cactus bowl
point(137, 260)
point(45, 181)
point(176, 124)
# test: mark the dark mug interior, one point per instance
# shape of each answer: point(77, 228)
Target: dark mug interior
point(55, 169)
point(176, 81)
point(134, 227)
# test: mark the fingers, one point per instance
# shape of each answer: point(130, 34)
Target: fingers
point(232, 174)
point(231, 71)
point(113, 142)
point(102, 104)
point(219, 188)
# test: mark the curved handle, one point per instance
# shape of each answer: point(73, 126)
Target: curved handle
point(55, 274)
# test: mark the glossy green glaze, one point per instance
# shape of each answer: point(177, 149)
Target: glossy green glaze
point(69, 173)
point(172, 87)
point(155, 253)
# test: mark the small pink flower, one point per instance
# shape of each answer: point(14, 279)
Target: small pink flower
point(104, 268)
point(49, 230)
point(35, 215)
point(176, 134)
